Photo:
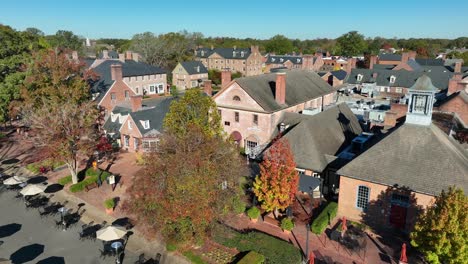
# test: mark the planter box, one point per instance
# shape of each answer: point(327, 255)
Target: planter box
point(109, 210)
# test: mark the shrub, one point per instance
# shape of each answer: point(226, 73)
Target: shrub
point(65, 180)
point(252, 258)
point(33, 167)
point(171, 247)
point(109, 203)
point(91, 177)
point(327, 215)
point(194, 258)
point(253, 212)
point(274, 250)
point(140, 159)
point(238, 205)
point(287, 224)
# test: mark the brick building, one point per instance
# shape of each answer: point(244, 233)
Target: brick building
point(291, 62)
point(189, 74)
point(247, 61)
point(251, 107)
point(390, 183)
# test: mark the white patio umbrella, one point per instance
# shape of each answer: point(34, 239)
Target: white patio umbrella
point(15, 180)
point(111, 233)
point(33, 189)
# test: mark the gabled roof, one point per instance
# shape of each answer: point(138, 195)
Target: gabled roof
point(111, 53)
point(421, 158)
point(339, 74)
point(414, 65)
point(404, 78)
point(430, 62)
point(389, 57)
point(129, 68)
point(114, 127)
point(154, 115)
point(279, 59)
point(316, 140)
point(301, 86)
point(227, 53)
point(194, 67)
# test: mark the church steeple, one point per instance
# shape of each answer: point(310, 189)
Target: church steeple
point(421, 102)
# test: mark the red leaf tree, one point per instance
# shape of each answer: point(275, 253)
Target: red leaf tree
point(277, 184)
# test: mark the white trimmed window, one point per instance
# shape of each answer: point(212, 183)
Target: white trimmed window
point(392, 79)
point(359, 77)
point(362, 200)
point(130, 125)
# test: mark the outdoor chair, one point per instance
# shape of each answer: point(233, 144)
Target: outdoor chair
point(141, 259)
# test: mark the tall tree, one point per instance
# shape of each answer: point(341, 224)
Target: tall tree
point(55, 104)
point(194, 108)
point(277, 184)
point(441, 232)
point(279, 44)
point(192, 178)
point(351, 44)
point(65, 39)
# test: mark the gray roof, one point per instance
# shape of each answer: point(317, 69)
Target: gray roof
point(421, 158)
point(114, 127)
point(275, 59)
point(308, 183)
point(389, 57)
point(111, 53)
point(129, 68)
point(301, 86)
point(423, 83)
point(155, 115)
point(194, 67)
point(316, 140)
point(430, 62)
point(404, 78)
point(339, 74)
point(227, 53)
point(414, 65)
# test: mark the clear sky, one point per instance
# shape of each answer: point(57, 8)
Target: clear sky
point(240, 18)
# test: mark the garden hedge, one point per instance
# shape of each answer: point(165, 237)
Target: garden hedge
point(252, 258)
point(65, 180)
point(274, 250)
point(90, 178)
point(321, 222)
point(253, 212)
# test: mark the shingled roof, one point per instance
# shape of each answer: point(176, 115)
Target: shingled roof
point(154, 115)
point(316, 140)
point(194, 67)
point(227, 53)
point(301, 86)
point(114, 126)
point(279, 59)
point(421, 158)
point(390, 57)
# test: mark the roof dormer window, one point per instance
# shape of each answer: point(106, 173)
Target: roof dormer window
point(281, 60)
point(114, 117)
point(233, 53)
point(203, 53)
point(242, 54)
point(359, 77)
point(145, 124)
point(392, 79)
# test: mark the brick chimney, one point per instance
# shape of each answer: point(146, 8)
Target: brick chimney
point(75, 55)
point(136, 102)
point(116, 72)
point(207, 87)
point(457, 68)
point(351, 64)
point(404, 57)
point(122, 57)
point(280, 88)
point(412, 55)
point(105, 54)
point(225, 77)
point(128, 55)
point(372, 61)
point(455, 84)
point(135, 56)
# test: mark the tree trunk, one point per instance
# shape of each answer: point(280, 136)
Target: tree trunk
point(73, 173)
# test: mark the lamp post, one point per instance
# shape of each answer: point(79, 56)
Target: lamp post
point(62, 220)
point(307, 242)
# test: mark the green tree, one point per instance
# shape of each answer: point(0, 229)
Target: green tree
point(277, 184)
point(459, 55)
point(194, 108)
point(65, 39)
point(351, 44)
point(441, 232)
point(279, 44)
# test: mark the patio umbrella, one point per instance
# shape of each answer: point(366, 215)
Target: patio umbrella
point(32, 189)
point(403, 257)
point(15, 180)
point(111, 233)
point(343, 224)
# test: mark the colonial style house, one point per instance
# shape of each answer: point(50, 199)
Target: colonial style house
point(247, 61)
point(323, 142)
point(391, 182)
point(334, 78)
point(138, 128)
point(119, 79)
point(189, 74)
point(290, 62)
point(251, 108)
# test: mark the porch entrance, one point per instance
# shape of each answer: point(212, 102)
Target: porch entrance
point(398, 216)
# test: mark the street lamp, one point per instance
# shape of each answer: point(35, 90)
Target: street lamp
point(307, 242)
point(62, 210)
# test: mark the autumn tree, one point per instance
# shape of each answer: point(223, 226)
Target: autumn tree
point(441, 232)
point(192, 178)
point(194, 108)
point(55, 103)
point(277, 184)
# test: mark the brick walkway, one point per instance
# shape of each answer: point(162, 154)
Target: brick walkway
point(322, 246)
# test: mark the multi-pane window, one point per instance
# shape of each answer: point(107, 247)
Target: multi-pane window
point(419, 103)
point(127, 95)
point(236, 116)
point(227, 123)
point(113, 97)
point(362, 197)
point(255, 119)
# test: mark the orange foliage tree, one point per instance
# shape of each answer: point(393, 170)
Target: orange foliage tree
point(277, 183)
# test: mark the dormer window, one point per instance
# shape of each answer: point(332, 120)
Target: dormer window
point(392, 79)
point(281, 60)
point(359, 77)
point(298, 60)
point(203, 53)
point(242, 54)
point(236, 98)
point(145, 124)
point(114, 117)
point(272, 59)
point(233, 54)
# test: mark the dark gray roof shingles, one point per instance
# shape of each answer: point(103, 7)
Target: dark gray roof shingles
point(194, 67)
point(227, 53)
point(155, 115)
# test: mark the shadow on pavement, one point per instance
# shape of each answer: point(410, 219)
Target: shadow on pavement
point(10, 229)
point(27, 253)
point(53, 188)
point(52, 260)
point(37, 180)
point(10, 161)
